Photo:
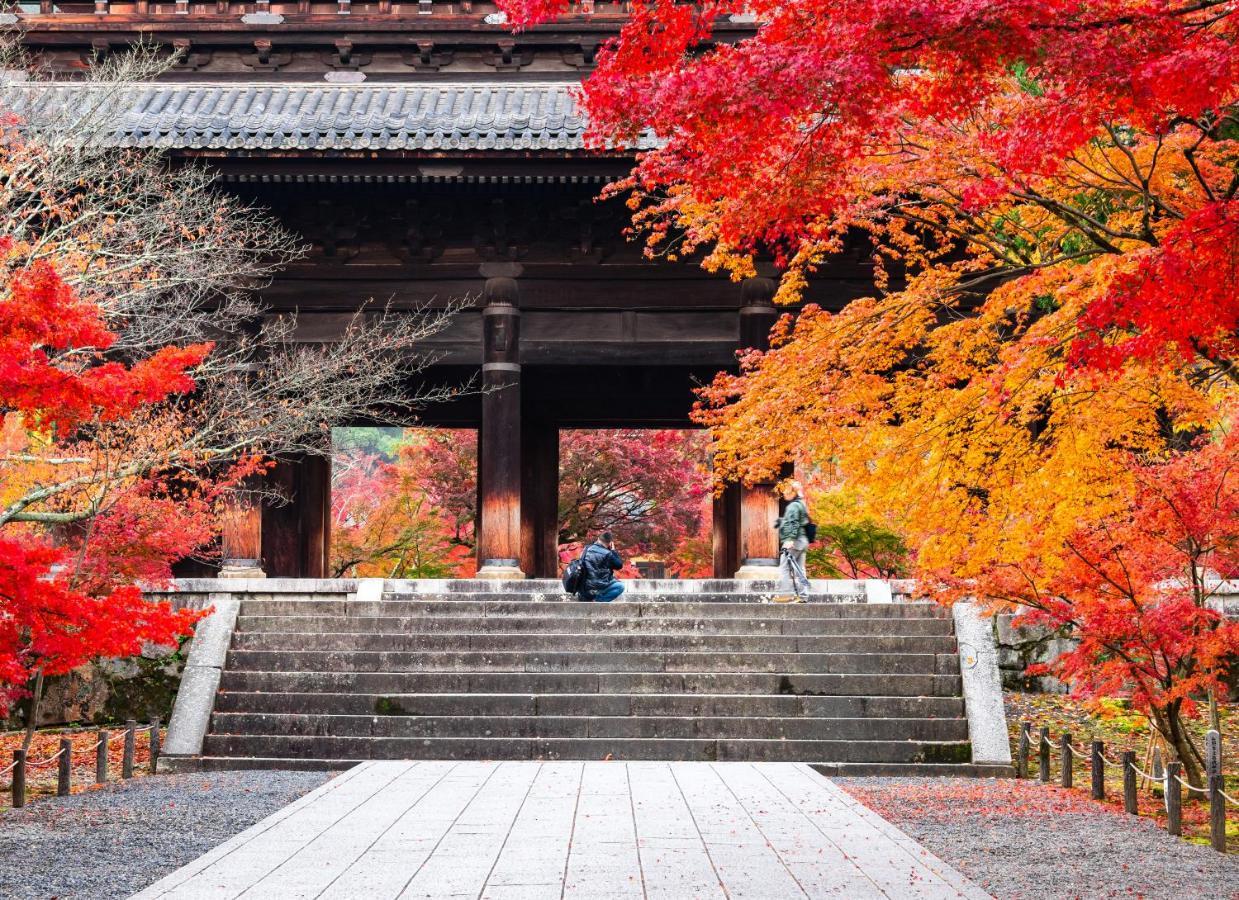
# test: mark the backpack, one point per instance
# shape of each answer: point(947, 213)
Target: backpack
point(574, 575)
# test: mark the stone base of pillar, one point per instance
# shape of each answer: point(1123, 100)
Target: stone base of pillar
point(241, 568)
point(758, 570)
point(509, 569)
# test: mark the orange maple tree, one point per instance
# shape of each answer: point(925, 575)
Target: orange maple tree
point(1047, 193)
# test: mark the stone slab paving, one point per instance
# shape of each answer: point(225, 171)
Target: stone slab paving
point(533, 830)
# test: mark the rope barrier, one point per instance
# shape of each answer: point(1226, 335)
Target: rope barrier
point(1189, 786)
point(94, 746)
point(1229, 797)
point(1078, 751)
point(38, 764)
point(8, 769)
point(1109, 760)
point(1143, 774)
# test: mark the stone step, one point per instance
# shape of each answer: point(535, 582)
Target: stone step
point(590, 704)
point(832, 769)
point(666, 609)
point(536, 624)
point(630, 596)
point(821, 751)
point(591, 726)
point(586, 662)
point(842, 684)
point(598, 643)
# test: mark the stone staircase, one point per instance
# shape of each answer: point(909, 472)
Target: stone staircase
point(322, 681)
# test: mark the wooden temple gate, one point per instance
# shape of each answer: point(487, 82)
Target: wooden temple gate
point(425, 152)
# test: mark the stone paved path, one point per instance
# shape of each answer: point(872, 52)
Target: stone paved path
point(569, 829)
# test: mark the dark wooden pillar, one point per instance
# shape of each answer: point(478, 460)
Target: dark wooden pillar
point(759, 506)
point(499, 462)
point(296, 534)
point(726, 522)
point(241, 537)
point(539, 498)
point(314, 503)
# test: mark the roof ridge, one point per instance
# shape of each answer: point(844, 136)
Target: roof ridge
point(272, 85)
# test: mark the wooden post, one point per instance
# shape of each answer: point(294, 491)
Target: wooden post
point(101, 758)
point(1217, 814)
point(759, 506)
point(64, 768)
point(126, 766)
point(1043, 754)
point(499, 468)
point(1214, 785)
point(19, 779)
point(1021, 756)
point(1065, 751)
point(1129, 782)
point(154, 762)
point(1174, 799)
point(1098, 766)
point(241, 537)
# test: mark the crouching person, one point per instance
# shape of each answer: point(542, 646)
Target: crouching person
point(599, 564)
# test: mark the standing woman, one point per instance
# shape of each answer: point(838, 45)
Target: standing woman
point(793, 543)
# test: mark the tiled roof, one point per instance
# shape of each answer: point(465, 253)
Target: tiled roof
point(251, 116)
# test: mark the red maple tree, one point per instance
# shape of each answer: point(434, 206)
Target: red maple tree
point(69, 596)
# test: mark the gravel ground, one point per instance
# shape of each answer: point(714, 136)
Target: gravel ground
point(112, 842)
point(1024, 840)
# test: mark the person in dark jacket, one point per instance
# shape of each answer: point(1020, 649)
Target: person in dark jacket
point(599, 563)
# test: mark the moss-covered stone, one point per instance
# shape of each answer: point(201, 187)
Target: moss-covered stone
point(110, 690)
point(946, 753)
point(386, 706)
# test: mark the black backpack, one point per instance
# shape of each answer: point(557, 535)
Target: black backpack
point(574, 575)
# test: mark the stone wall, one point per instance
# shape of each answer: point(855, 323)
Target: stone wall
point(1021, 646)
point(113, 690)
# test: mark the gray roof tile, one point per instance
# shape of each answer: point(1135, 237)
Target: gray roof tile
point(252, 116)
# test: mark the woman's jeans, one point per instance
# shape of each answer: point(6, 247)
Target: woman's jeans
point(610, 592)
point(792, 575)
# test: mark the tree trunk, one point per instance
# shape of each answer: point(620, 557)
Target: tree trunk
point(32, 720)
point(1169, 723)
